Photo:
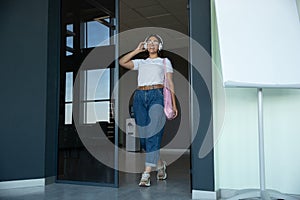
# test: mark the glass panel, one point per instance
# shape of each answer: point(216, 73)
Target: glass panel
point(97, 34)
point(98, 84)
point(68, 53)
point(68, 113)
point(70, 27)
point(69, 39)
point(75, 162)
point(97, 112)
point(69, 87)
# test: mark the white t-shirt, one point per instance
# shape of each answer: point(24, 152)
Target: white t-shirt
point(151, 70)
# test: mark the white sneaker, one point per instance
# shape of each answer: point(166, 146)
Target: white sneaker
point(161, 171)
point(145, 180)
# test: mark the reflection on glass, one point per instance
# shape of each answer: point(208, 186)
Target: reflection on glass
point(69, 87)
point(75, 162)
point(68, 113)
point(97, 34)
point(68, 97)
point(97, 112)
point(68, 53)
point(98, 84)
point(70, 27)
point(96, 95)
point(69, 39)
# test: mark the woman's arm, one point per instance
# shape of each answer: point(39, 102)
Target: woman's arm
point(126, 61)
point(172, 89)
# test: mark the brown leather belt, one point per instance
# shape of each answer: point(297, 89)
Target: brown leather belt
point(150, 87)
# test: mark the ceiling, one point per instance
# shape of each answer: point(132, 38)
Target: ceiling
point(171, 14)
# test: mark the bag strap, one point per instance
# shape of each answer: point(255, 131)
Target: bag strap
point(165, 71)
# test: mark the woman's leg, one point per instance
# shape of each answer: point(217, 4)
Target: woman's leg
point(155, 128)
point(150, 120)
point(141, 115)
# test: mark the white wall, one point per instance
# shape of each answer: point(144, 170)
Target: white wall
point(298, 6)
point(236, 149)
point(236, 152)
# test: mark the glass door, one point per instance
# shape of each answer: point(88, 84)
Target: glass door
point(87, 120)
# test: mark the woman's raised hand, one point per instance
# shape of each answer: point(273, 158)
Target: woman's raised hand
point(140, 47)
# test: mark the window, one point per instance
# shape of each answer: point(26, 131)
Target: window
point(97, 82)
point(96, 34)
point(70, 40)
point(68, 97)
point(97, 96)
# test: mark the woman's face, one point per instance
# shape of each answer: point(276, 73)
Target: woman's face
point(152, 44)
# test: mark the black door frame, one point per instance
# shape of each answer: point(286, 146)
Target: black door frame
point(202, 169)
point(202, 172)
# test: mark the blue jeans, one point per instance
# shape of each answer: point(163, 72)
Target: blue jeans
point(148, 107)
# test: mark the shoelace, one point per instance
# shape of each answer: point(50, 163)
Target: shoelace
point(145, 176)
point(161, 171)
point(162, 168)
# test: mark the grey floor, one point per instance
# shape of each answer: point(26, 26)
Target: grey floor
point(176, 187)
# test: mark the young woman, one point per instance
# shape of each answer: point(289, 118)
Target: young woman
point(148, 101)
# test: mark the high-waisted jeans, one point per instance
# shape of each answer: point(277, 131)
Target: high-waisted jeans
point(148, 106)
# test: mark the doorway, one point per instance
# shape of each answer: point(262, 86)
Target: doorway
point(85, 25)
point(166, 14)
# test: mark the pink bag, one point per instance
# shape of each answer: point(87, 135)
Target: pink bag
point(168, 106)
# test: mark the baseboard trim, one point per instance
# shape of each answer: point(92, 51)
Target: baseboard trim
point(27, 183)
point(50, 180)
point(204, 195)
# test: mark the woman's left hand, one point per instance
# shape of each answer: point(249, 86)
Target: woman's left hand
point(175, 112)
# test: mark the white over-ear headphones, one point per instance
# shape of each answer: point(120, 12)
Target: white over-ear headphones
point(160, 45)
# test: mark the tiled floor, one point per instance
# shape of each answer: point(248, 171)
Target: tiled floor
point(176, 187)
